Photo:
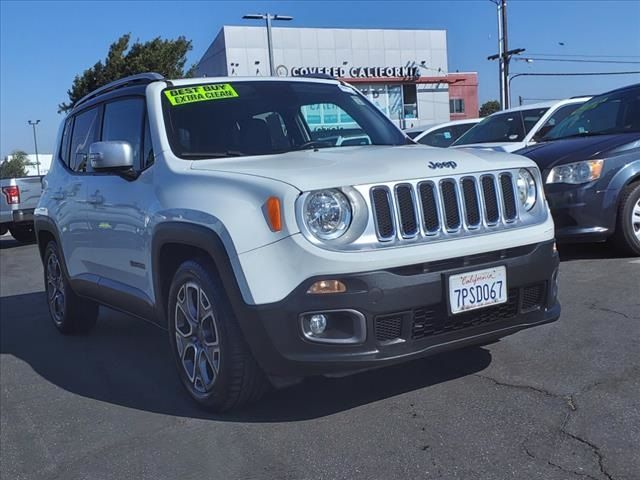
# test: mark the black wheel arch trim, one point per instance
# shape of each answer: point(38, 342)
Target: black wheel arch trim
point(221, 252)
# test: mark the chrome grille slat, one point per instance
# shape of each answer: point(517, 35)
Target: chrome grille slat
point(446, 207)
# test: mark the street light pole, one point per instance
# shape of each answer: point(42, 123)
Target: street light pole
point(35, 143)
point(268, 18)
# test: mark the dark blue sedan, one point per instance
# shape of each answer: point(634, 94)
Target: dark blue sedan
point(591, 165)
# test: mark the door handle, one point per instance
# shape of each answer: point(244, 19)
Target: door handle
point(58, 195)
point(96, 198)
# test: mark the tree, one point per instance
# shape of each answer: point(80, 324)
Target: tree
point(15, 165)
point(167, 57)
point(487, 108)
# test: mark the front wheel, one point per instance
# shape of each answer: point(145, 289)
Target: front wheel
point(213, 360)
point(627, 234)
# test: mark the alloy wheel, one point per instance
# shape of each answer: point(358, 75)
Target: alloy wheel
point(197, 338)
point(55, 289)
point(635, 220)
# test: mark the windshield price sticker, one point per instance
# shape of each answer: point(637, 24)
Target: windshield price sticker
point(200, 93)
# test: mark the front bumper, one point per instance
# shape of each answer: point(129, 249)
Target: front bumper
point(581, 212)
point(413, 299)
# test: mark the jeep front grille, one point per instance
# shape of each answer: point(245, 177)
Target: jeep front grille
point(447, 206)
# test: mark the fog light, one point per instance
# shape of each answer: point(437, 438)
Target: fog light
point(327, 286)
point(317, 324)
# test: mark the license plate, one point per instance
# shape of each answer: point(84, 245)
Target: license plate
point(479, 289)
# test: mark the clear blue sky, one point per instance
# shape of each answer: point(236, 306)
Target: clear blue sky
point(44, 44)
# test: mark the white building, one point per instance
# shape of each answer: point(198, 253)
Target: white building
point(404, 72)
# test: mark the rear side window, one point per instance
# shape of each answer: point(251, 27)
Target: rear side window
point(85, 132)
point(124, 121)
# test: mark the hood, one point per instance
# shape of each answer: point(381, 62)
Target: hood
point(557, 152)
point(361, 165)
point(495, 146)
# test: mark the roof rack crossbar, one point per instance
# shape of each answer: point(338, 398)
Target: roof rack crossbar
point(123, 82)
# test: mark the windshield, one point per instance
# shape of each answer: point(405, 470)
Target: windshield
point(503, 127)
point(617, 112)
point(268, 117)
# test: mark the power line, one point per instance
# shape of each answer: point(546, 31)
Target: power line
point(570, 74)
point(538, 59)
point(584, 55)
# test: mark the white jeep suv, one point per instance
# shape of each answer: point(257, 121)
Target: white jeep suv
point(224, 210)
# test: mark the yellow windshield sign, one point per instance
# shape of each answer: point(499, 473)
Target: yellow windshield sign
point(200, 93)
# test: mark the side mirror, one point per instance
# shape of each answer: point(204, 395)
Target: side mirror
point(114, 155)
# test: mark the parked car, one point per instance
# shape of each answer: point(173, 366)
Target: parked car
point(441, 134)
point(269, 255)
point(18, 200)
point(591, 165)
point(516, 128)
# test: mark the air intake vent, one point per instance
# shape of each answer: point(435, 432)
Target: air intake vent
point(508, 197)
point(471, 207)
point(430, 218)
point(382, 211)
point(451, 207)
point(491, 209)
point(407, 210)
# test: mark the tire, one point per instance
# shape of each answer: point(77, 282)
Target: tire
point(3, 229)
point(70, 313)
point(23, 233)
point(627, 235)
point(214, 362)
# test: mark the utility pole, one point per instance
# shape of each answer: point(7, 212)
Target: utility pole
point(268, 18)
point(35, 143)
point(504, 54)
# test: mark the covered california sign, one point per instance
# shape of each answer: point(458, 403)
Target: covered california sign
point(354, 72)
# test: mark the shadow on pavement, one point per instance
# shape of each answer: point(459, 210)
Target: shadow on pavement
point(127, 362)
point(7, 241)
point(587, 251)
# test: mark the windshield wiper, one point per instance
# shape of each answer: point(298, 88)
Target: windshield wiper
point(202, 155)
point(315, 144)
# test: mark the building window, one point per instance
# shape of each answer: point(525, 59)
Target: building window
point(456, 105)
point(410, 99)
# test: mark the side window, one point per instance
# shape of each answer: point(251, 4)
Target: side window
point(555, 118)
point(123, 121)
point(147, 147)
point(442, 137)
point(85, 132)
point(64, 143)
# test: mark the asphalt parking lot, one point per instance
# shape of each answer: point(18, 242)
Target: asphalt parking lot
point(558, 402)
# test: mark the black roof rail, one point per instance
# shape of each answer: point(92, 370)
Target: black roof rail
point(580, 96)
point(123, 82)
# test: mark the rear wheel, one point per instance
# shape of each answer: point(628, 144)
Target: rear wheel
point(69, 312)
point(3, 229)
point(627, 234)
point(23, 233)
point(213, 360)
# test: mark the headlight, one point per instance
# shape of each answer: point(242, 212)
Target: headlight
point(327, 214)
point(526, 189)
point(576, 173)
